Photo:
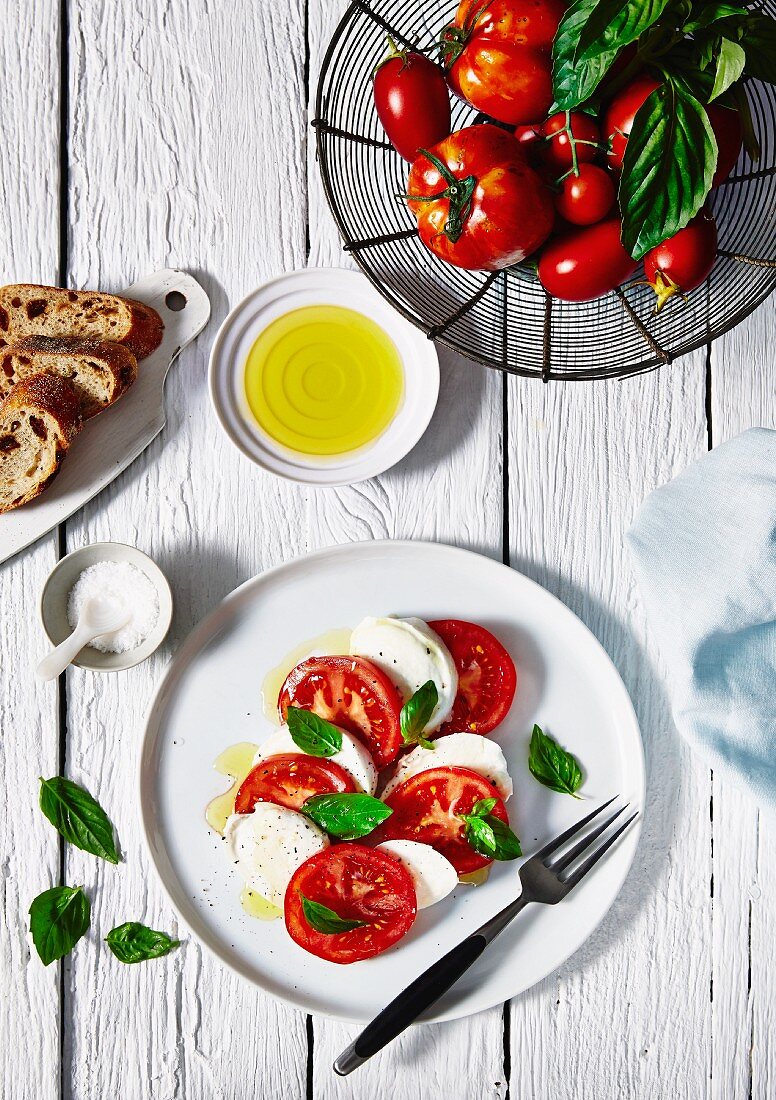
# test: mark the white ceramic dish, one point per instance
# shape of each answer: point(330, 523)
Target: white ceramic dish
point(53, 604)
point(210, 698)
point(321, 286)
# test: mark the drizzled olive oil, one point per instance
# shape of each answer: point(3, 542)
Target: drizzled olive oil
point(234, 762)
point(323, 380)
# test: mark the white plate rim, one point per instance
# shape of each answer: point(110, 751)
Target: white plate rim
point(205, 629)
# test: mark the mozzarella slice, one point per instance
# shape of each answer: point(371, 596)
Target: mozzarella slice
point(269, 844)
point(457, 750)
point(353, 756)
point(433, 875)
point(410, 653)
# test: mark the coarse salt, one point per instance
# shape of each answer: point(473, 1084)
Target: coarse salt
point(124, 583)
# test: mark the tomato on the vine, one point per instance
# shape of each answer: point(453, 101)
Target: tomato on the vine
point(585, 263)
point(412, 101)
point(684, 261)
point(497, 56)
point(586, 198)
point(478, 203)
point(578, 133)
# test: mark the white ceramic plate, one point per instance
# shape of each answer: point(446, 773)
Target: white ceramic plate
point(210, 698)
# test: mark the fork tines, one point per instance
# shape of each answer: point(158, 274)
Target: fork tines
point(567, 858)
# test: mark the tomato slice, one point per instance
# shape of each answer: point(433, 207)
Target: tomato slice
point(289, 780)
point(426, 808)
point(358, 883)
point(487, 677)
point(353, 694)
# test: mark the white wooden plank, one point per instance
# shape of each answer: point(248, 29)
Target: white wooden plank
point(744, 915)
point(29, 744)
point(187, 151)
point(629, 1014)
point(448, 489)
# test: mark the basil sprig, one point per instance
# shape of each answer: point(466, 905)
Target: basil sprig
point(78, 817)
point(58, 919)
point(313, 735)
point(489, 835)
point(613, 24)
point(325, 920)
point(346, 816)
point(416, 714)
point(668, 167)
point(574, 81)
point(134, 942)
point(552, 765)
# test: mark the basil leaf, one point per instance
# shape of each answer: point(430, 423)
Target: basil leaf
point(708, 14)
point(552, 765)
point(759, 41)
point(133, 942)
point(58, 919)
point(78, 817)
point(730, 66)
point(346, 816)
point(668, 167)
point(491, 837)
point(325, 920)
point(416, 714)
point(613, 24)
point(483, 807)
point(313, 735)
point(575, 81)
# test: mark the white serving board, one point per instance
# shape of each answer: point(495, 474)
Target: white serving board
point(114, 439)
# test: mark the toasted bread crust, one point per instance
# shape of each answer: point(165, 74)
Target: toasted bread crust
point(30, 310)
point(100, 371)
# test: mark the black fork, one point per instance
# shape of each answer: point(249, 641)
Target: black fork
point(543, 880)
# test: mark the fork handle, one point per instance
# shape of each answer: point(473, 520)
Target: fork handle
point(420, 995)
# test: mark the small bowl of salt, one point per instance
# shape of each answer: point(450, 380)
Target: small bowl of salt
point(121, 575)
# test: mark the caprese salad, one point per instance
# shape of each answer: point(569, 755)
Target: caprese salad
point(380, 789)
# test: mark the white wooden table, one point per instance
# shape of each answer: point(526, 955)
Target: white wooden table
point(138, 134)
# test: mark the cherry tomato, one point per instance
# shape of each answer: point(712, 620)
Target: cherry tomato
point(353, 694)
point(488, 208)
point(357, 883)
point(289, 780)
point(618, 122)
point(426, 808)
point(412, 102)
point(497, 56)
point(528, 134)
point(587, 198)
point(487, 678)
point(684, 261)
point(585, 263)
point(557, 152)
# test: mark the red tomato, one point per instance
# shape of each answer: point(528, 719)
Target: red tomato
point(358, 883)
point(353, 694)
point(289, 780)
point(729, 132)
point(618, 122)
point(587, 198)
point(528, 134)
point(585, 263)
point(487, 678)
point(412, 102)
point(557, 152)
point(489, 209)
point(426, 808)
point(684, 261)
point(497, 56)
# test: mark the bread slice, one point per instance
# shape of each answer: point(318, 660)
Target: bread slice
point(38, 422)
point(28, 310)
point(99, 371)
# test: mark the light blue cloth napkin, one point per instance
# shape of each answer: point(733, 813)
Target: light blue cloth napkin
point(704, 550)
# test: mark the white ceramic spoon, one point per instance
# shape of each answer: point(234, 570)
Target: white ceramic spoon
point(98, 616)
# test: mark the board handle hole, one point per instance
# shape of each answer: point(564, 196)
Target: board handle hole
point(175, 301)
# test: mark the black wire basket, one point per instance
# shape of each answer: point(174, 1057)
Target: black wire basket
point(505, 319)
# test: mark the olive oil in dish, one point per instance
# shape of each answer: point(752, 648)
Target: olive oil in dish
point(323, 380)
